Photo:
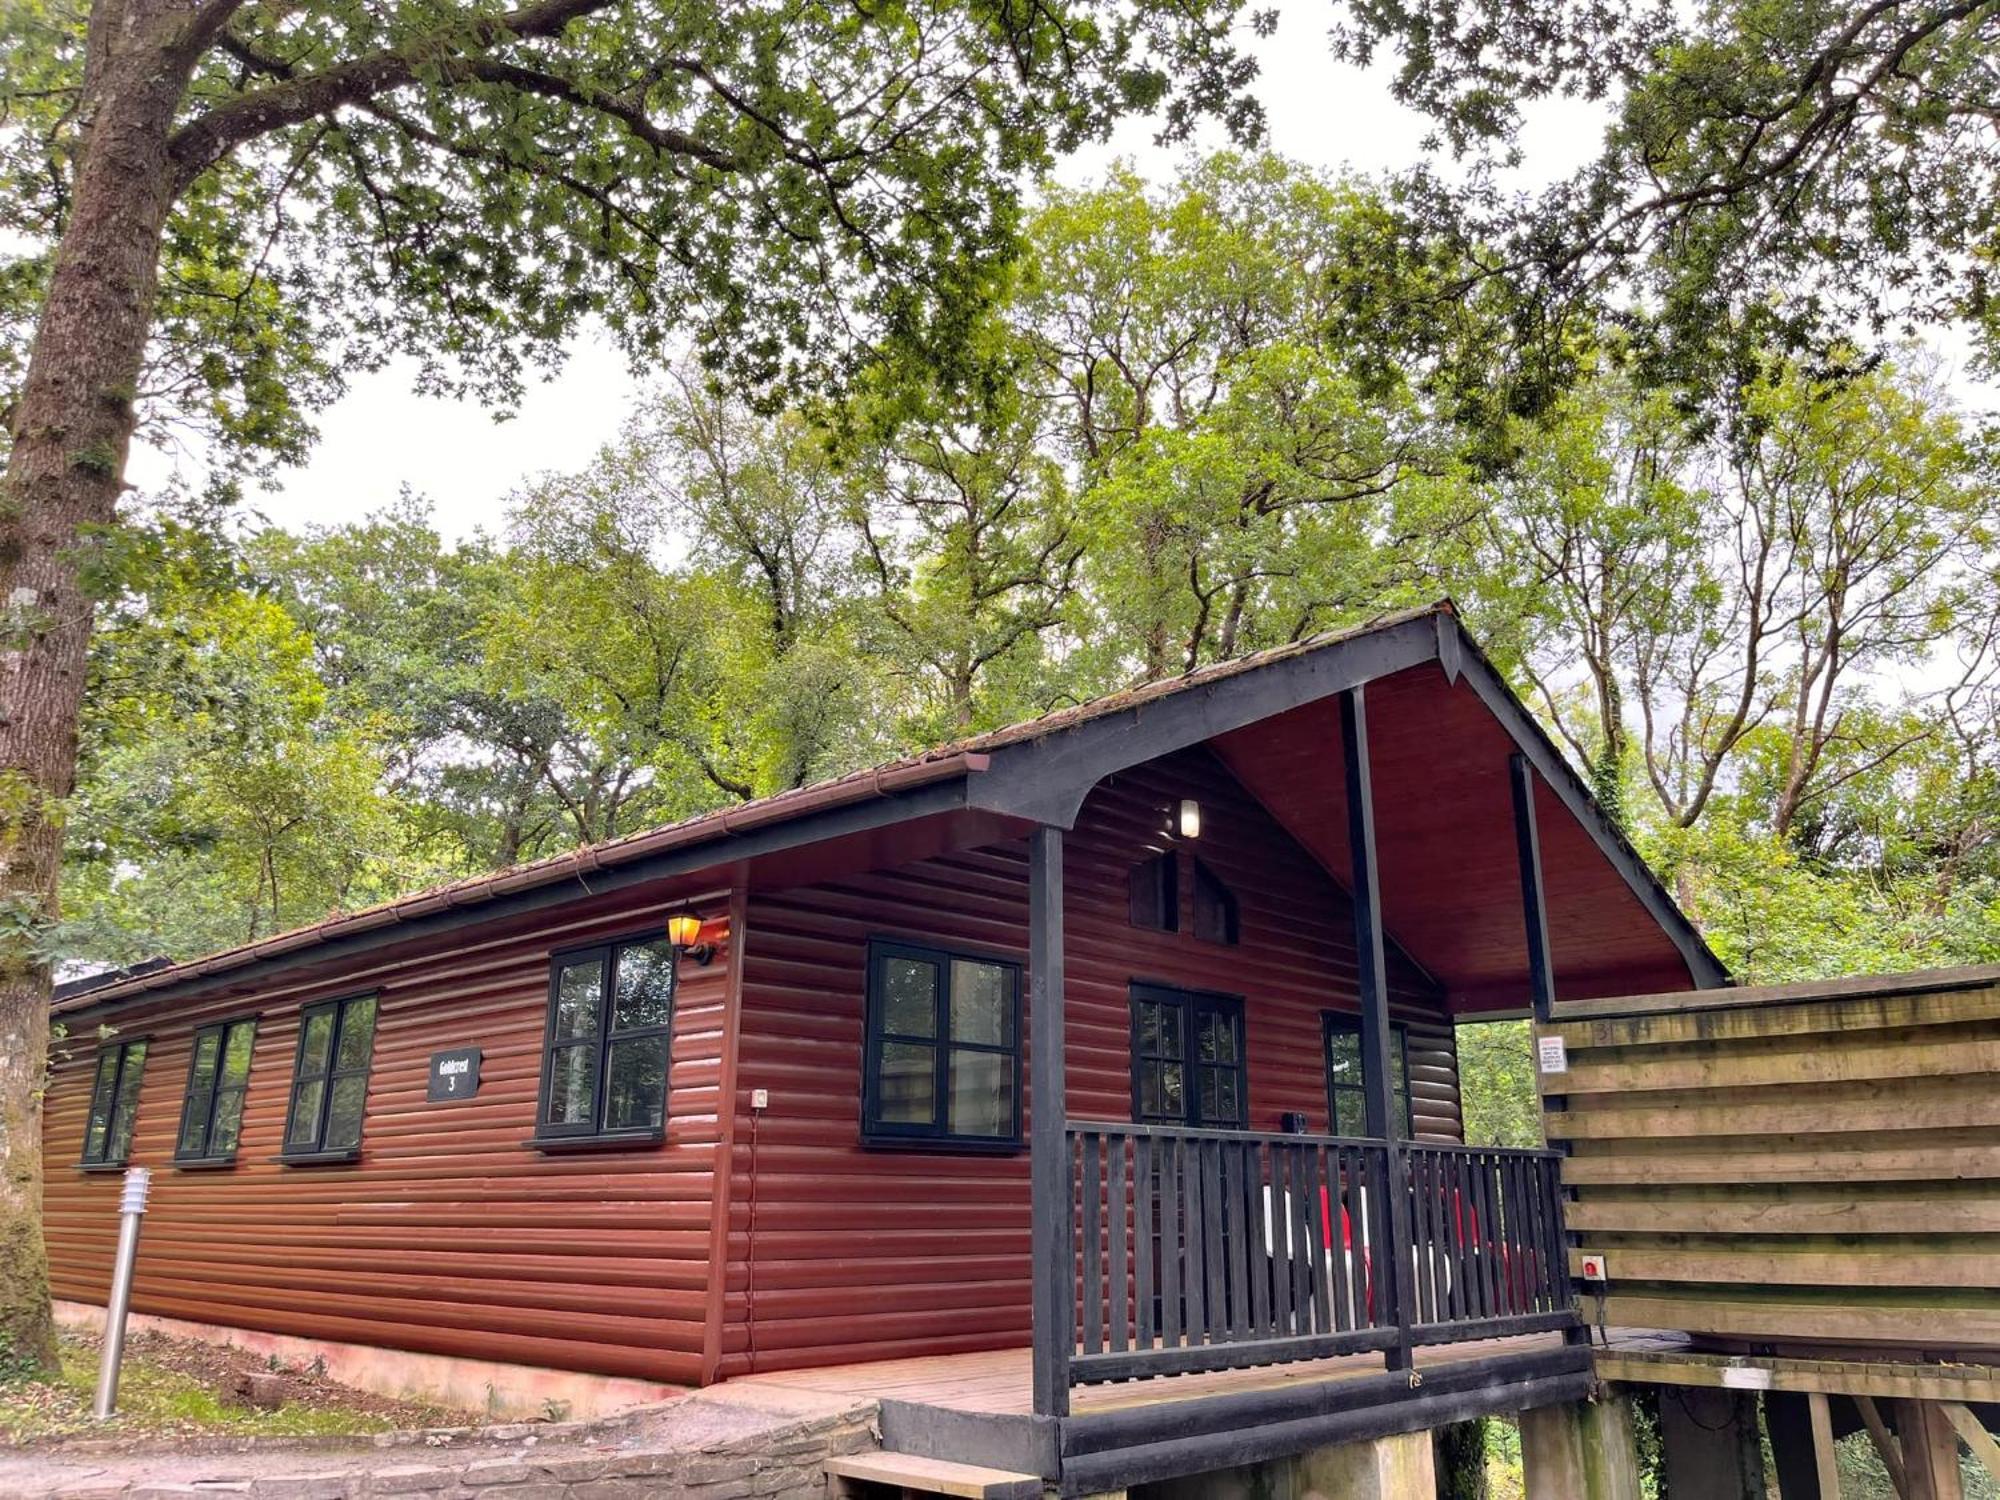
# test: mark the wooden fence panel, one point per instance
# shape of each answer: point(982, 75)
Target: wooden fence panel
point(1811, 1163)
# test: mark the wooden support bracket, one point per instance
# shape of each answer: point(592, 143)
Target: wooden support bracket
point(1977, 1438)
point(1886, 1447)
point(1823, 1452)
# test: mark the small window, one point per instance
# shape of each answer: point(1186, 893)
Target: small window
point(1346, 1088)
point(943, 1049)
point(114, 1100)
point(1156, 893)
point(1187, 1059)
point(212, 1112)
point(1214, 907)
point(330, 1080)
point(610, 1029)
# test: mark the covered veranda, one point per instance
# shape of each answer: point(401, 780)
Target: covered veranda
point(1296, 1287)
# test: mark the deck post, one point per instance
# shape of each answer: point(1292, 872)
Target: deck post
point(1541, 968)
point(1371, 974)
point(1528, 847)
point(1054, 1276)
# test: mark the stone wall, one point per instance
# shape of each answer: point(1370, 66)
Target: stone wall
point(784, 1463)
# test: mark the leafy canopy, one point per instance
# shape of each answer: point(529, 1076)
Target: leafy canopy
point(1778, 174)
point(800, 188)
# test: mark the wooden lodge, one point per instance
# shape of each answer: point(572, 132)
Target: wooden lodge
point(756, 1097)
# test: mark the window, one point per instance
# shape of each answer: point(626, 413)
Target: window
point(1214, 907)
point(1187, 1058)
point(212, 1112)
point(604, 1069)
point(114, 1099)
point(1346, 1091)
point(1156, 893)
point(942, 1060)
point(330, 1080)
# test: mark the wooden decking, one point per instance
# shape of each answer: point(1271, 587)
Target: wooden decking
point(974, 1408)
point(997, 1383)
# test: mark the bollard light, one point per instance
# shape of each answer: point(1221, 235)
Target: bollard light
point(131, 1212)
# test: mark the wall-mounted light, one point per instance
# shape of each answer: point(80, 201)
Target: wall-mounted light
point(684, 932)
point(1187, 818)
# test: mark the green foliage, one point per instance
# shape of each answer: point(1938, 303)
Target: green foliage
point(222, 797)
point(1775, 175)
point(801, 193)
point(1768, 635)
point(1249, 475)
point(1496, 1079)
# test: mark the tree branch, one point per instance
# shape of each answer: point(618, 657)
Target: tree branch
point(209, 137)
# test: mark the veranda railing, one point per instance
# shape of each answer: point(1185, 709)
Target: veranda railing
point(1207, 1249)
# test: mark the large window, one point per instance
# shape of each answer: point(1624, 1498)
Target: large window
point(212, 1112)
point(1346, 1075)
point(942, 1063)
point(114, 1100)
point(330, 1080)
point(1187, 1058)
point(611, 1017)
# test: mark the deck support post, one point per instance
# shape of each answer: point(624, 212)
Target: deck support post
point(1372, 979)
point(1581, 1450)
point(1788, 1419)
point(1541, 967)
point(1709, 1440)
point(1054, 1275)
point(1930, 1451)
point(1534, 908)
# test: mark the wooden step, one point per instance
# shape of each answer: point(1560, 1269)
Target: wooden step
point(935, 1476)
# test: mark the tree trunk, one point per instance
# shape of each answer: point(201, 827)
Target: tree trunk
point(72, 427)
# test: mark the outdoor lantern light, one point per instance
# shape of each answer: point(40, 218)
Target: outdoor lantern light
point(1188, 818)
point(684, 932)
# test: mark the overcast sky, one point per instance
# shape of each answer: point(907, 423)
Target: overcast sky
point(382, 436)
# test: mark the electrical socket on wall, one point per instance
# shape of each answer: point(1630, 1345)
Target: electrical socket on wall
point(760, 1098)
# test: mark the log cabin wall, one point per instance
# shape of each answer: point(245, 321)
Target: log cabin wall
point(1812, 1164)
point(838, 1252)
point(449, 1236)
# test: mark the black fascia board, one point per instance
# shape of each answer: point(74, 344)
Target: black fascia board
point(1046, 779)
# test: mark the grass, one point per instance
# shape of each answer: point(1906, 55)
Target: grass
point(155, 1399)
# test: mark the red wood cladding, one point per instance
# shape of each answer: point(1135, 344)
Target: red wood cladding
point(449, 1236)
point(837, 1252)
point(1445, 843)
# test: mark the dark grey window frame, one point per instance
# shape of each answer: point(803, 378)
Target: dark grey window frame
point(106, 1159)
point(1191, 1004)
point(206, 1157)
point(588, 1135)
point(938, 1135)
point(1332, 1021)
point(1154, 892)
point(1227, 906)
point(316, 1152)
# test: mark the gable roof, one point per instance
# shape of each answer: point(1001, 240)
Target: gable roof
point(1038, 770)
